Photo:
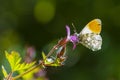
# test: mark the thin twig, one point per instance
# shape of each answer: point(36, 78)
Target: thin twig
point(36, 66)
point(9, 76)
point(51, 51)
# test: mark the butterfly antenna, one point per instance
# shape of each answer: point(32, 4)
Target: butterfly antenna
point(74, 28)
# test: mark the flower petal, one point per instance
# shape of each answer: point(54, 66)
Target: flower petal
point(74, 46)
point(68, 31)
point(74, 39)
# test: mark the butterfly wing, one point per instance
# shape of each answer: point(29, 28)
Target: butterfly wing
point(93, 26)
point(90, 35)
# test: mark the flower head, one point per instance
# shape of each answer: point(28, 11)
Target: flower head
point(72, 38)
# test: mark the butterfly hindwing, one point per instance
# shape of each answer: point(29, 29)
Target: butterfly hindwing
point(90, 35)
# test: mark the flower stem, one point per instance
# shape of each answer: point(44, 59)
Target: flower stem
point(10, 76)
point(52, 50)
point(38, 65)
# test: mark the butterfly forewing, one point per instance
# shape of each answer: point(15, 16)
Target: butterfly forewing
point(90, 35)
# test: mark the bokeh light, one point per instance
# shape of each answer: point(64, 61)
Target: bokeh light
point(44, 11)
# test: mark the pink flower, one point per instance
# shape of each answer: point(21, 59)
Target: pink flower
point(72, 38)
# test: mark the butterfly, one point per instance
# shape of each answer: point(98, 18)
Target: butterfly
point(90, 35)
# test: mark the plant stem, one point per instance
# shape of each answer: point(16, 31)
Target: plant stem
point(29, 70)
point(10, 76)
point(52, 50)
point(36, 66)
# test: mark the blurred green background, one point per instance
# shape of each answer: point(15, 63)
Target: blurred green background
point(41, 23)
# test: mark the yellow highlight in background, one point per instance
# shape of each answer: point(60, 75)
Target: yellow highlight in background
point(44, 11)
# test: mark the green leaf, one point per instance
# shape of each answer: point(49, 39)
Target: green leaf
point(57, 62)
point(4, 71)
point(52, 61)
point(43, 55)
point(14, 60)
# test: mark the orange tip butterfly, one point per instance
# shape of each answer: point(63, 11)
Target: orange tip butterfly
point(90, 35)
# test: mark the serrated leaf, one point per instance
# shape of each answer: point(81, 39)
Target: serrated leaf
point(4, 71)
point(14, 60)
point(18, 61)
point(25, 66)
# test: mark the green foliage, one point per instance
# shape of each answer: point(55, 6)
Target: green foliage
point(50, 61)
point(14, 60)
point(4, 71)
point(43, 55)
